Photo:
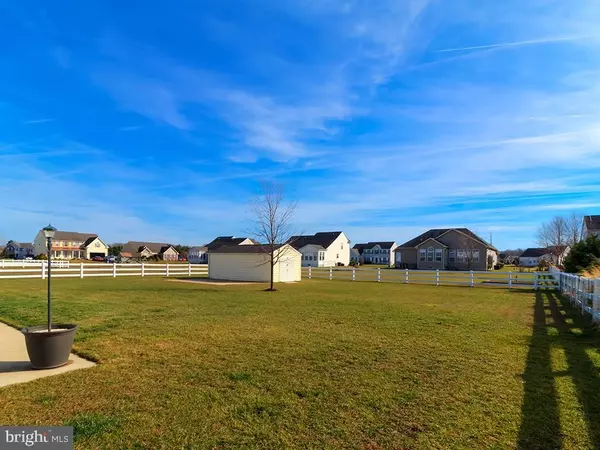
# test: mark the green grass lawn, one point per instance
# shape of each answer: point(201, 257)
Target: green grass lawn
point(319, 364)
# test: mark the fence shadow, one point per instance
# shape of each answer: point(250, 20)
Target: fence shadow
point(540, 425)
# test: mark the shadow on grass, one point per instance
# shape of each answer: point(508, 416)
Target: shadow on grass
point(540, 425)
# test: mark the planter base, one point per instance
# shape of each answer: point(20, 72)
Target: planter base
point(48, 350)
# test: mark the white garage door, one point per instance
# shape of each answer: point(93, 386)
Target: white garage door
point(286, 270)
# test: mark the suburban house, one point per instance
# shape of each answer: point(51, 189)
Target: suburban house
point(507, 258)
point(18, 250)
point(446, 249)
point(591, 226)
point(324, 249)
point(198, 255)
point(375, 252)
point(148, 250)
point(71, 245)
point(229, 240)
point(532, 257)
point(251, 262)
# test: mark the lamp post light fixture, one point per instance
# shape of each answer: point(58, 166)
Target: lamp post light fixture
point(49, 347)
point(49, 233)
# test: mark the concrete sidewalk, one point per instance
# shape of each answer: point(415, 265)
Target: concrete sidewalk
point(14, 361)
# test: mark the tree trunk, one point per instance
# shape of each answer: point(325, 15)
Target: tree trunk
point(272, 272)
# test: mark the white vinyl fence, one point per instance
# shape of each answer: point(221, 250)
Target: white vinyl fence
point(23, 263)
point(583, 293)
point(510, 280)
point(84, 270)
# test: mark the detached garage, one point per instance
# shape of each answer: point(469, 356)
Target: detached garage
point(252, 263)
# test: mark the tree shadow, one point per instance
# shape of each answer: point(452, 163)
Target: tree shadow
point(540, 425)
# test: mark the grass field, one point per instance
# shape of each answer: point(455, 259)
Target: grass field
point(320, 364)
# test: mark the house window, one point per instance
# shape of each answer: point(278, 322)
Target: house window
point(423, 255)
point(461, 255)
point(452, 256)
point(342, 246)
point(475, 256)
point(438, 255)
point(337, 256)
point(398, 257)
point(430, 254)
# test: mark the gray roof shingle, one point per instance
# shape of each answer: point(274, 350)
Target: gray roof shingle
point(592, 223)
point(437, 232)
point(323, 239)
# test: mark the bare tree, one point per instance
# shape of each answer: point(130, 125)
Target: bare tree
point(272, 222)
point(554, 236)
point(574, 224)
point(470, 251)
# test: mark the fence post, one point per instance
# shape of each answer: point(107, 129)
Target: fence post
point(167, 271)
point(378, 274)
point(535, 281)
point(189, 270)
point(406, 276)
point(309, 272)
point(596, 301)
point(114, 270)
point(472, 279)
point(437, 277)
point(80, 270)
point(43, 270)
point(143, 269)
point(331, 273)
point(353, 274)
point(509, 280)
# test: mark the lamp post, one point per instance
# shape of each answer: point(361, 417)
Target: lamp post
point(49, 233)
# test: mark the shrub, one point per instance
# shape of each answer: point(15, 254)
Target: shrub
point(585, 255)
point(41, 257)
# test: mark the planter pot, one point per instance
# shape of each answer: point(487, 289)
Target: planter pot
point(48, 350)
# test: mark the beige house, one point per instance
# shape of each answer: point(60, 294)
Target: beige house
point(71, 245)
point(252, 263)
point(447, 249)
point(324, 249)
point(147, 250)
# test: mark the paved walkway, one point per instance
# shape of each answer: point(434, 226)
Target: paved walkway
point(14, 361)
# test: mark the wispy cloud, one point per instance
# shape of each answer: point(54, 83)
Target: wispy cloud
point(548, 40)
point(37, 121)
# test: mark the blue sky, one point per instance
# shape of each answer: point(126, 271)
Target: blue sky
point(157, 121)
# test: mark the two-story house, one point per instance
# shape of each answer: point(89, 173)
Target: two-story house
point(18, 250)
point(375, 252)
point(198, 255)
point(71, 245)
point(323, 249)
point(447, 248)
point(591, 226)
point(148, 250)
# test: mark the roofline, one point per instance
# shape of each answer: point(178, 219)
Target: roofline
point(215, 251)
point(429, 239)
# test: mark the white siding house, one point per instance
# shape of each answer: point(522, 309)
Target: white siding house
point(198, 255)
point(252, 263)
point(324, 249)
point(376, 252)
point(18, 250)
